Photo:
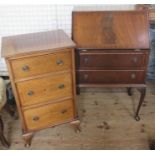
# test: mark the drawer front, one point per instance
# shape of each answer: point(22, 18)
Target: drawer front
point(49, 115)
point(111, 77)
point(113, 60)
point(37, 65)
point(45, 89)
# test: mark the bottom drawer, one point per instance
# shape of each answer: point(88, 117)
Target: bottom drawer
point(48, 115)
point(111, 77)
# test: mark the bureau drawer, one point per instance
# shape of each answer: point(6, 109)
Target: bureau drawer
point(111, 77)
point(37, 65)
point(45, 89)
point(49, 115)
point(112, 60)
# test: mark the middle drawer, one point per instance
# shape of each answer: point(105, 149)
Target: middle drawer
point(45, 89)
point(112, 60)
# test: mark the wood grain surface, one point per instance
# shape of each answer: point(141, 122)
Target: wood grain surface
point(111, 29)
point(33, 42)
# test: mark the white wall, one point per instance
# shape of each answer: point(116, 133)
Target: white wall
point(18, 19)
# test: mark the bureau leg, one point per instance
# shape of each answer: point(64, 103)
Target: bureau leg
point(76, 125)
point(129, 91)
point(28, 138)
point(142, 96)
point(77, 90)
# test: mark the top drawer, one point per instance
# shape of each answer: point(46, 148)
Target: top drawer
point(112, 60)
point(37, 65)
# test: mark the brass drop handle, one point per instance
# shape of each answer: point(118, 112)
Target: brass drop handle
point(59, 62)
point(61, 86)
point(86, 60)
point(63, 111)
point(25, 68)
point(30, 93)
point(133, 76)
point(85, 76)
point(135, 59)
point(35, 118)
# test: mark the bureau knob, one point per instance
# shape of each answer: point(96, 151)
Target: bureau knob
point(30, 93)
point(61, 86)
point(59, 62)
point(135, 59)
point(35, 118)
point(85, 76)
point(133, 76)
point(25, 68)
point(86, 60)
point(63, 111)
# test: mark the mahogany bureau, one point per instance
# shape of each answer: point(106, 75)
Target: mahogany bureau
point(42, 73)
point(112, 49)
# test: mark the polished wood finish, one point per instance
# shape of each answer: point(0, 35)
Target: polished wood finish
point(48, 115)
point(33, 42)
point(111, 76)
point(45, 89)
point(42, 72)
point(111, 29)
point(112, 49)
point(118, 60)
point(42, 64)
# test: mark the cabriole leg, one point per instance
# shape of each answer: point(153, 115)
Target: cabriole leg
point(76, 125)
point(28, 138)
point(142, 96)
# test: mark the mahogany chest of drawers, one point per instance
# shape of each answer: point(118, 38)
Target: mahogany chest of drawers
point(41, 69)
point(112, 49)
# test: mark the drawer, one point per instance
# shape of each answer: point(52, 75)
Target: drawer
point(45, 89)
point(113, 60)
point(111, 77)
point(37, 65)
point(49, 115)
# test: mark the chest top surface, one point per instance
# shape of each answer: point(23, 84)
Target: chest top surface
point(35, 42)
point(111, 29)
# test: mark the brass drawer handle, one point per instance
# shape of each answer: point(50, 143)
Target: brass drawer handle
point(133, 76)
point(85, 76)
point(59, 62)
point(35, 118)
point(30, 93)
point(25, 68)
point(63, 111)
point(135, 59)
point(61, 86)
point(86, 60)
